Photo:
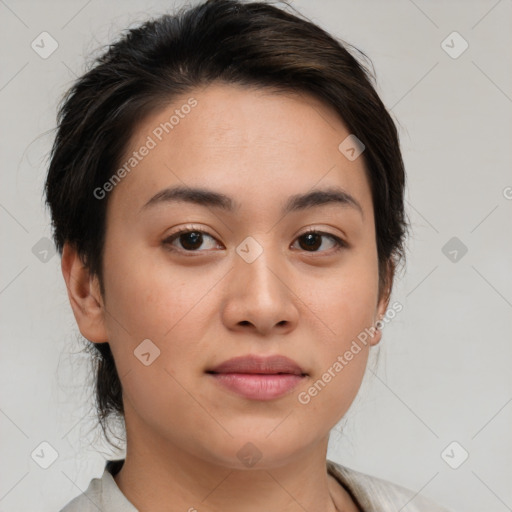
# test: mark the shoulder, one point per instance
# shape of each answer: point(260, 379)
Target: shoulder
point(88, 501)
point(377, 495)
point(102, 494)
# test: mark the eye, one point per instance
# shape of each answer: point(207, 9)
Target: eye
point(312, 241)
point(189, 240)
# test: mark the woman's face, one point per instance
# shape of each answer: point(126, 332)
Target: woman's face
point(245, 281)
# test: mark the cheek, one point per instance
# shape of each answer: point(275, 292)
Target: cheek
point(149, 297)
point(329, 395)
point(344, 307)
point(344, 301)
point(149, 302)
point(171, 307)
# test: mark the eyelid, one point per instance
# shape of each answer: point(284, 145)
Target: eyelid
point(187, 228)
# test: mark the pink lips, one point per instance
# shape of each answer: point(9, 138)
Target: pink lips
point(258, 378)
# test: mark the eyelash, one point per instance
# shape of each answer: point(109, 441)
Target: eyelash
point(339, 243)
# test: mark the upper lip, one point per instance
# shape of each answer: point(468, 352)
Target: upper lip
point(258, 364)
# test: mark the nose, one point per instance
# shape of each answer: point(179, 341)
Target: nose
point(260, 298)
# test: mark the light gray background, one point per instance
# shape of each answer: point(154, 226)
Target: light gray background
point(444, 370)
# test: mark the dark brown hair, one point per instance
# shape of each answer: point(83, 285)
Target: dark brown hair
point(254, 44)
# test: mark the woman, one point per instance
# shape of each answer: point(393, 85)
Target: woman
point(226, 190)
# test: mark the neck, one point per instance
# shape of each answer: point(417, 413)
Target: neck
point(190, 483)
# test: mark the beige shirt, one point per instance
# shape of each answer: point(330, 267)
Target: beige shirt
point(370, 493)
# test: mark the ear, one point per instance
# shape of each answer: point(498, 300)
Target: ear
point(84, 296)
point(383, 303)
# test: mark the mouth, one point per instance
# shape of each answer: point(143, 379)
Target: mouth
point(258, 378)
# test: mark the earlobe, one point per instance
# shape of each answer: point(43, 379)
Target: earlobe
point(84, 296)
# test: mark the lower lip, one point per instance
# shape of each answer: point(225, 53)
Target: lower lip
point(258, 386)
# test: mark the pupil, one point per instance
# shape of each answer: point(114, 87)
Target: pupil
point(191, 240)
point(312, 240)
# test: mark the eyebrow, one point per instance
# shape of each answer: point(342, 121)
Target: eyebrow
point(209, 198)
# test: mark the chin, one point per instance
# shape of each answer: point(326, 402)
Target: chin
point(261, 447)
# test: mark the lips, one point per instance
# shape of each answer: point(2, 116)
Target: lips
point(258, 378)
point(259, 365)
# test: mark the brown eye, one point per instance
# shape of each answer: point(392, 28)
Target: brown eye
point(311, 241)
point(191, 240)
point(188, 240)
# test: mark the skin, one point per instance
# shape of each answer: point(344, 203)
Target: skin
point(202, 308)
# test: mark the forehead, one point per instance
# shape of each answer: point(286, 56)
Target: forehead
point(254, 144)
